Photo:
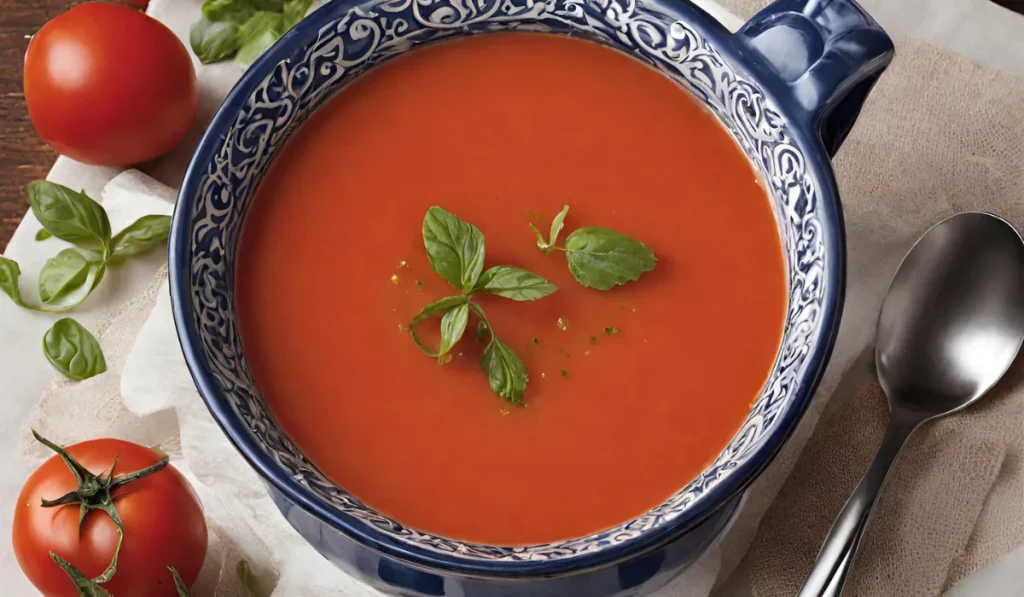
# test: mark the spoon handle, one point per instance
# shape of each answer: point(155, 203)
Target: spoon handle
point(836, 556)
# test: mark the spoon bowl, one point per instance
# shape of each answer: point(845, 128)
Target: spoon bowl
point(950, 327)
point(953, 319)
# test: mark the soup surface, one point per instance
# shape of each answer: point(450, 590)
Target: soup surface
point(499, 129)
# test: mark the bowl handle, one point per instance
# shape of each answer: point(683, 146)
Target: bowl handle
point(827, 54)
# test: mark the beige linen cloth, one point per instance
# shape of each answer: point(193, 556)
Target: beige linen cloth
point(938, 136)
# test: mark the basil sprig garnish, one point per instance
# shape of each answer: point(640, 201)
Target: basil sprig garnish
point(456, 250)
point(70, 276)
point(599, 258)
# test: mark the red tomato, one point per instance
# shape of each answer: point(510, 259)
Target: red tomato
point(162, 517)
point(106, 84)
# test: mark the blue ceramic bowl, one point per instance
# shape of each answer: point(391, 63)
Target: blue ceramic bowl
point(788, 87)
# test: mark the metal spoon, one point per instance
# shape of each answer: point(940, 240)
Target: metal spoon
point(951, 325)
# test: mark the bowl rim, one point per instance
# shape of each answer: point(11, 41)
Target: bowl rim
point(179, 252)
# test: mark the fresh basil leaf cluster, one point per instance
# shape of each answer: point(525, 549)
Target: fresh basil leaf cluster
point(599, 258)
point(456, 250)
point(69, 277)
point(243, 29)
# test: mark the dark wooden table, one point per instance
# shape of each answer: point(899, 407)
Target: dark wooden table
point(23, 155)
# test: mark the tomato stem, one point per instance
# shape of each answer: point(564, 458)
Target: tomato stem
point(84, 586)
point(93, 493)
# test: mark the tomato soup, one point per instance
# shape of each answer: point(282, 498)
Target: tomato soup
point(632, 391)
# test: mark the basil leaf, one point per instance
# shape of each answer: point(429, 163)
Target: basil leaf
point(243, 28)
point(74, 296)
point(141, 235)
point(83, 584)
point(42, 235)
point(259, 33)
point(294, 11)
point(515, 283)
point(70, 216)
point(255, 44)
point(456, 248)
point(601, 258)
point(435, 308)
point(248, 580)
point(214, 41)
point(505, 371)
point(73, 351)
point(556, 226)
point(62, 274)
point(9, 272)
point(453, 325)
point(238, 10)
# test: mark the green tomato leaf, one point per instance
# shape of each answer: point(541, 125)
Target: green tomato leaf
point(42, 235)
point(85, 586)
point(73, 351)
point(213, 41)
point(556, 226)
point(505, 371)
point(9, 272)
point(141, 235)
point(453, 325)
point(62, 274)
point(601, 258)
point(515, 283)
point(70, 216)
point(435, 308)
point(456, 248)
